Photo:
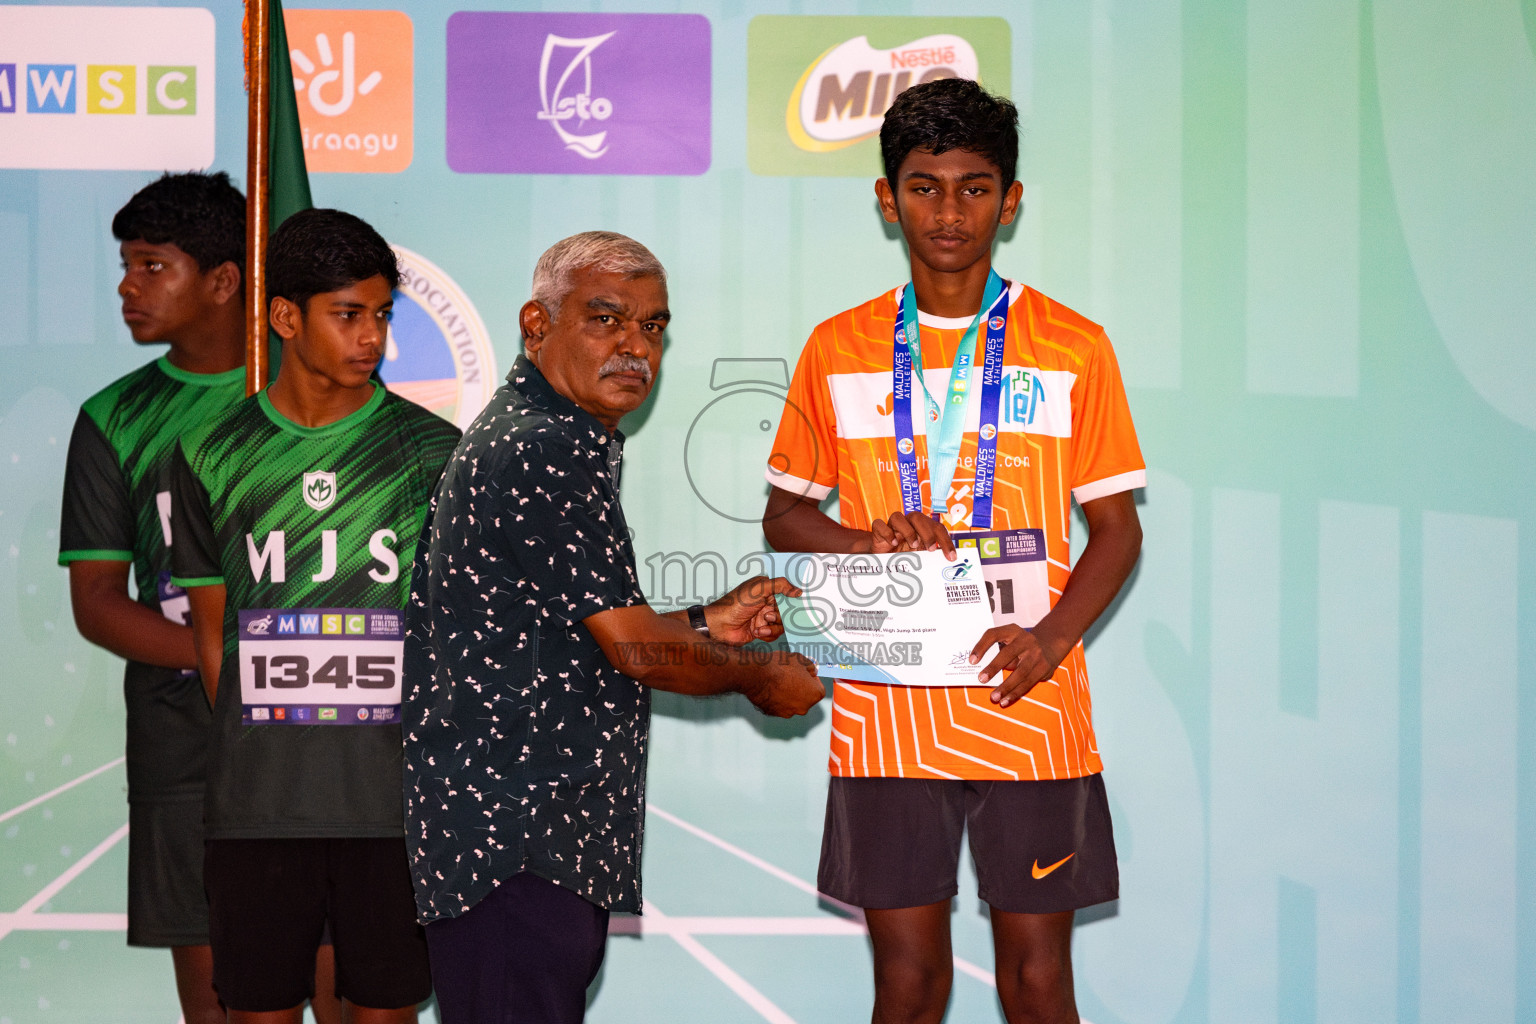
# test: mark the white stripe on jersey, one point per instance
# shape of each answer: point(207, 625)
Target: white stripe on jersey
point(1033, 401)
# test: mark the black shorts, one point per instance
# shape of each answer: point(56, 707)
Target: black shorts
point(166, 904)
point(270, 899)
point(1039, 847)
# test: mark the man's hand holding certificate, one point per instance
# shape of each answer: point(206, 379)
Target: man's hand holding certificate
point(910, 618)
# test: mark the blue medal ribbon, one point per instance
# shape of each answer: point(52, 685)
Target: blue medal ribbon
point(950, 418)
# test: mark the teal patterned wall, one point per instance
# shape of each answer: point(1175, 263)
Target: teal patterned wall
point(1307, 227)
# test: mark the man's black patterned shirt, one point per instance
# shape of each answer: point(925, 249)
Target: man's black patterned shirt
point(524, 747)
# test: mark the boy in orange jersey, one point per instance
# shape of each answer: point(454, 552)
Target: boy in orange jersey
point(1006, 406)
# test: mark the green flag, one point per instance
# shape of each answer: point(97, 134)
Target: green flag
point(288, 180)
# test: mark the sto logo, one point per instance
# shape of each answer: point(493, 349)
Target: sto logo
point(583, 106)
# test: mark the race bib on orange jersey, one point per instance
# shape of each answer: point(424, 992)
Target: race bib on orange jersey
point(1013, 564)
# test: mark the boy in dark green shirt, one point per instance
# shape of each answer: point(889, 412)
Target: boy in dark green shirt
point(301, 507)
point(183, 252)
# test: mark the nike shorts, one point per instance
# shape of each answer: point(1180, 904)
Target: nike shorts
point(271, 899)
point(166, 905)
point(1039, 847)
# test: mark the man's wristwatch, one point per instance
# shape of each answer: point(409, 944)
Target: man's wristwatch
point(697, 620)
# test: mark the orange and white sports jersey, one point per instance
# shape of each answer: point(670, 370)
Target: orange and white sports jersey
point(1064, 431)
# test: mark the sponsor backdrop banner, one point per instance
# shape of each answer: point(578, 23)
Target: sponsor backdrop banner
point(578, 93)
point(352, 76)
point(1308, 232)
point(104, 87)
point(818, 87)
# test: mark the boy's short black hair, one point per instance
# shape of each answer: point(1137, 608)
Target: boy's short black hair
point(951, 113)
point(203, 215)
point(317, 251)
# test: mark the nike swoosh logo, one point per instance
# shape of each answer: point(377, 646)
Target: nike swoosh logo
point(1040, 872)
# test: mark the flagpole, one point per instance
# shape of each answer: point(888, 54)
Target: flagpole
point(258, 157)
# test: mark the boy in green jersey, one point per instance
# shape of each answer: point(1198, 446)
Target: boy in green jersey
point(301, 507)
point(183, 250)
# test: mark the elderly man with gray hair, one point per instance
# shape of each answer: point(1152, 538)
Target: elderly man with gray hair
point(530, 655)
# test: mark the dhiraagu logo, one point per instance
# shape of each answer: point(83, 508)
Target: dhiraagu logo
point(353, 79)
point(106, 88)
point(818, 87)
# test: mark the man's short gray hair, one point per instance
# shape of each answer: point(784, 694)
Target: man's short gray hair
point(607, 252)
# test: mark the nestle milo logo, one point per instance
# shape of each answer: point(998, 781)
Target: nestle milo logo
point(319, 490)
point(818, 86)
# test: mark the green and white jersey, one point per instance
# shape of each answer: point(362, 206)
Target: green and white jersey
point(311, 531)
point(117, 507)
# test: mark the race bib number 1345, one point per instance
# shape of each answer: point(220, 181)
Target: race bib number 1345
point(320, 666)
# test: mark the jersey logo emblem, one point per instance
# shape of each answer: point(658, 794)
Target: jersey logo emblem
point(319, 490)
point(1040, 872)
point(259, 627)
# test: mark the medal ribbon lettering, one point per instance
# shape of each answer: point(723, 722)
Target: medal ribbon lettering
point(950, 418)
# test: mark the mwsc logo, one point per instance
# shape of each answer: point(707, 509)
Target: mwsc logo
point(353, 79)
point(126, 88)
point(438, 353)
point(818, 87)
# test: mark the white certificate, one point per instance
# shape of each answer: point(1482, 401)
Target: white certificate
point(910, 618)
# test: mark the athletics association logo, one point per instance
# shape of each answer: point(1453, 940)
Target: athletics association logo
point(619, 93)
point(438, 353)
point(319, 489)
point(996, 323)
point(988, 431)
point(956, 573)
point(904, 446)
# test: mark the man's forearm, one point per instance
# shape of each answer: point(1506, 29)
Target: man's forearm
point(681, 660)
point(665, 653)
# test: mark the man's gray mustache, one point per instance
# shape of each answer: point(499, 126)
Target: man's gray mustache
point(626, 364)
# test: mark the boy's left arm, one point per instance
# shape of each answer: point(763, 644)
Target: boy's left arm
point(1032, 655)
point(195, 565)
